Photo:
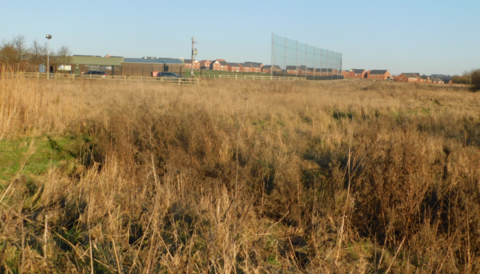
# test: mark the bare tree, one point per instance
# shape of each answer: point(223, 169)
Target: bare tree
point(20, 45)
point(7, 53)
point(37, 54)
point(64, 56)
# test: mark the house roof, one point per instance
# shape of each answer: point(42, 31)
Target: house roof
point(96, 60)
point(234, 64)
point(269, 66)
point(358, 70)
point(378, 71)
point(223, 63)
point(248, 65)
point(292, 67)
point(436, 79)
point(411, 75)
point(254, 64)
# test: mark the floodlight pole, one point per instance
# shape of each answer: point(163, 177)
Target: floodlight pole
point(48, 55)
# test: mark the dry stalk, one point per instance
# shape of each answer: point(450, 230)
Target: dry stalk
point(396, 253)
point(45, 238)
point(346, 200)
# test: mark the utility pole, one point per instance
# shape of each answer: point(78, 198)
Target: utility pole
point(194, 53)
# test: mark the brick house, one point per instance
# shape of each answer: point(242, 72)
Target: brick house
point(223, 64)
point(215, 65)
point(293, 70)
point(408, 78)
point(267, 69)
point(356, 73)
point(205, 64)
point(424, 79)
point(234, 67)
point(257, 67)
point(325, 71)
point(188, 64)
point(246, 67)
point(437, 80)
point(378, 74)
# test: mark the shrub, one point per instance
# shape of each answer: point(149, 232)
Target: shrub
point(475, 76)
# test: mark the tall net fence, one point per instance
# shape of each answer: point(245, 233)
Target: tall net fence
point(292, 58)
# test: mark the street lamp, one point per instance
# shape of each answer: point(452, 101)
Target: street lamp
point(48, 53)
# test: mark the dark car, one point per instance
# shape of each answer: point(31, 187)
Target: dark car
point(94, 74)
point(168, 74)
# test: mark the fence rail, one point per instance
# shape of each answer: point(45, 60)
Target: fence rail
point(83, 77)
point(254, 77)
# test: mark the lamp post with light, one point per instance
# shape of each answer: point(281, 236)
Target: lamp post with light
point(48, 55)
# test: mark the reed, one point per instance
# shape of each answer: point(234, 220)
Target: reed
point(241, 176)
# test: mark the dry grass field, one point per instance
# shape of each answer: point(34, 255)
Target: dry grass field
point(238, 177)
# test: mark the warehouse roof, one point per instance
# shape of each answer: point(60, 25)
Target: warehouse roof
point(96, 60)
point(154, 61)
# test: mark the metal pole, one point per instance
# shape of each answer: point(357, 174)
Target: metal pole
point(48, 58)
point(341, 62)
point(296, 61)
point(271, 58)
point(285, 62)
point(313, 63)
point(306, 54)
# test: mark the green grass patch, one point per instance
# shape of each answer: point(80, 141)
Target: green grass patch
point(35, 155)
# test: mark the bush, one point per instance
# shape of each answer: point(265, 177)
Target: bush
point(475, 76)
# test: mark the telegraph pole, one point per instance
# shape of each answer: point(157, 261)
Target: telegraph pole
point(194, 53)
point(191, 60)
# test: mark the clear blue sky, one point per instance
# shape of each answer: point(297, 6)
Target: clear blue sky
point(401, 36)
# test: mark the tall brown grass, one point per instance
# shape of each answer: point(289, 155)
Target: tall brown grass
point(333, 177)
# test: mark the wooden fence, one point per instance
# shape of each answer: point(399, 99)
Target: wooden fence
point(255, 77)
point(84, 77)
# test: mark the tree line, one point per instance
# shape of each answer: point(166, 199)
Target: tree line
point(471, 77)
point(17, 54)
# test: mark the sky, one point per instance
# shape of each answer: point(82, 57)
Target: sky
point(428, 37)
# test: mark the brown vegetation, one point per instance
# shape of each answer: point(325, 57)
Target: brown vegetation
point(245, 177)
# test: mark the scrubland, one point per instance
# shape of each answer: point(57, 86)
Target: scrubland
point(238, 177)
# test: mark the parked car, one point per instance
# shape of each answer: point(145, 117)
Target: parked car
point(93, 74)
point(168, 74)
